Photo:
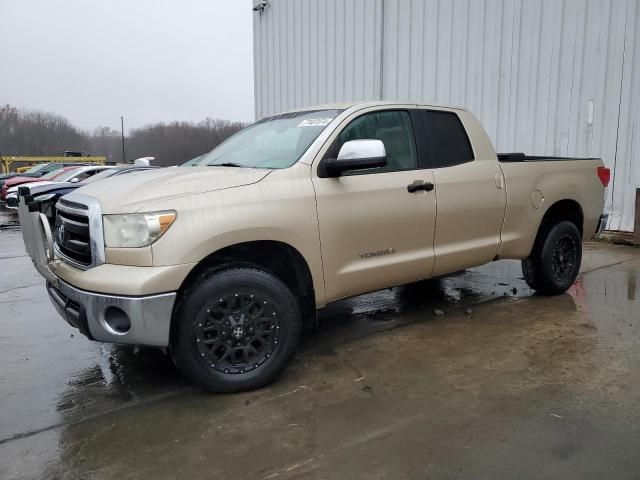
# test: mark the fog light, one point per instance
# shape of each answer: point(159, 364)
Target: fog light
point(117, 320)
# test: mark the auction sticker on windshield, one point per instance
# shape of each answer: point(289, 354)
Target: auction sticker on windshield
point(315, 122)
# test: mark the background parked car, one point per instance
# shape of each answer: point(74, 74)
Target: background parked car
point(47, 194)
point(20, 180)
point(42, 169)
point(73, 175)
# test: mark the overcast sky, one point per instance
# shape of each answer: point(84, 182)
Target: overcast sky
point(149, 60)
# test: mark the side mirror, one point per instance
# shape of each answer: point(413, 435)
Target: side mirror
point(74, 180)
point(356, 155)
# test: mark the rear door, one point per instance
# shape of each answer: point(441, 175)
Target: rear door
point(374, 232)
point(469, 192)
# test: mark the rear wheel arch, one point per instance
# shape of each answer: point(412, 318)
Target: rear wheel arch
point(563, 220)
point(559, 211)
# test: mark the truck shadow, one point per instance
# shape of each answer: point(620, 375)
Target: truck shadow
point(424, 301)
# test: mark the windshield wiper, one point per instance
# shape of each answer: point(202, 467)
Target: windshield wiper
point(226, 164)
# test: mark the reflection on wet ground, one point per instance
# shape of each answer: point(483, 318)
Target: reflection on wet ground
point(419, 302)
point(465, 376)
point(8, 220)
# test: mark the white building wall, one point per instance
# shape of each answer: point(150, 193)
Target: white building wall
point(550, 77)
point(312, 52)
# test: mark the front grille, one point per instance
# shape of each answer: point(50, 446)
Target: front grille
point(72, 234)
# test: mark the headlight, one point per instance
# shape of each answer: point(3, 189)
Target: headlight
point(136, 229)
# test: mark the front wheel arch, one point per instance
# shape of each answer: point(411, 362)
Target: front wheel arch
point(277, 258)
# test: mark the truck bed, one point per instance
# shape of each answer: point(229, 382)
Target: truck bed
point(550, 180)
point(521, 157)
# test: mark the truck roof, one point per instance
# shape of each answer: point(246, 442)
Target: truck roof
point(375, 103)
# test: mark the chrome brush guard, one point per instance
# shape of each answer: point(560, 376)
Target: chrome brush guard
point(36, 234)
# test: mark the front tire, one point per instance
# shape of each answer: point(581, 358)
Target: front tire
point(555, 260)
point(235, 330)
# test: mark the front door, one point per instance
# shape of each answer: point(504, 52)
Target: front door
point(374, 232)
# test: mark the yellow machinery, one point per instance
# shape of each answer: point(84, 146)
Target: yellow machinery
point(8, 161)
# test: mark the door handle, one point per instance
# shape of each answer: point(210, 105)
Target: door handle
point(420, 185)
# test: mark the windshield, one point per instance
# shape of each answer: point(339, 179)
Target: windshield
point(193, 161)
point(53, 174)
point(274, 142)
point(64, 176)
point(100, 175)
point(37, 168)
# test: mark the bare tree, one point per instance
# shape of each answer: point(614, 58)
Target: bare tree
point(37, 133)
point(176, 142)
point(44, 133)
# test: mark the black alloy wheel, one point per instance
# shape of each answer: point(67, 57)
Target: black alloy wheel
point(564, 258)
point(555, 260)
point(237, 333)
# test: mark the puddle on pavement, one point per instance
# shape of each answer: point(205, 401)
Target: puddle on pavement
point(122, 374)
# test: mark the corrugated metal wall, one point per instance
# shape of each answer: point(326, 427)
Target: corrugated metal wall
point(627, 158)
point(551, 77)
point(312, 52)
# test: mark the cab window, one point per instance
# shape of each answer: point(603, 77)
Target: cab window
point(448, 143)
point(393, 128)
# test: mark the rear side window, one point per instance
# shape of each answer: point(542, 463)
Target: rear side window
point(448, 143)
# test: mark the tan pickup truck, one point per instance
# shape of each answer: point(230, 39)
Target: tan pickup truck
point(222, 263)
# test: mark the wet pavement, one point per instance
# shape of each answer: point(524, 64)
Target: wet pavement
point(470, 376)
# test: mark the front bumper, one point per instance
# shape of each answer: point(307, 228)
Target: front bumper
point(148, 318)
point(136, 320)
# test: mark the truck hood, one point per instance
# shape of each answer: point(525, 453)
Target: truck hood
point(138, 191)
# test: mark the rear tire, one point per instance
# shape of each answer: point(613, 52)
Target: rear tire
point(555, 260)
point(235, 330)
